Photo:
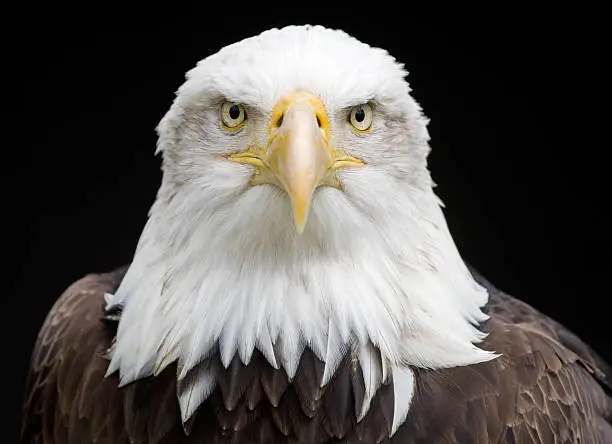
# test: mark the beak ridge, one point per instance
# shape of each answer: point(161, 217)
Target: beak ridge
point(299, 156)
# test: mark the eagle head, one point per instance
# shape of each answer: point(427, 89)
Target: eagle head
point(296, 211)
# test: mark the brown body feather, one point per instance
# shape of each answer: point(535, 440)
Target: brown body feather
point(548, 387)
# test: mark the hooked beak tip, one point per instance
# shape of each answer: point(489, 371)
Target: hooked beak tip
point(300, 213)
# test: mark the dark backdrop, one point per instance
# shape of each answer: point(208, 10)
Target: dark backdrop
point(512, 99)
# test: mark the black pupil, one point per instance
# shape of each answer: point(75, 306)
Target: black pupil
point(360, 115)
point(234, 112)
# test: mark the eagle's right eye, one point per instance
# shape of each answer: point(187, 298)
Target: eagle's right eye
point(233, 115)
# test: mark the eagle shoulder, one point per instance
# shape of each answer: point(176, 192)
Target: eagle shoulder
point(546, 387)
point(67, 398)
point(564, 391)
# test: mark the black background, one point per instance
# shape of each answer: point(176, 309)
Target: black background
point(519, 152)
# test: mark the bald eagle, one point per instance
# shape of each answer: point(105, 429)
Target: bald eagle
point(296, 282)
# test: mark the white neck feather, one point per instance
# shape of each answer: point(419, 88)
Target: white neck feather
point(232, 272)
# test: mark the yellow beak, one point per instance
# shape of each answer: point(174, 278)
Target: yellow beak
point(298, 157)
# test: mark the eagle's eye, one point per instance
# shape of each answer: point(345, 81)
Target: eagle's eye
point(361, 117)
point(233, 115)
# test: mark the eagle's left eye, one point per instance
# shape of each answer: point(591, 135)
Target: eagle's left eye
point(232, 115)
point(361, 117)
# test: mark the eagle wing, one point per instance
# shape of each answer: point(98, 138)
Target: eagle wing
point(68, 364)
point(564, 386)
point(67, 397)
point(546, 387)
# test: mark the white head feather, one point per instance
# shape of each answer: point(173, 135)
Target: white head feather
point(220, 263)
